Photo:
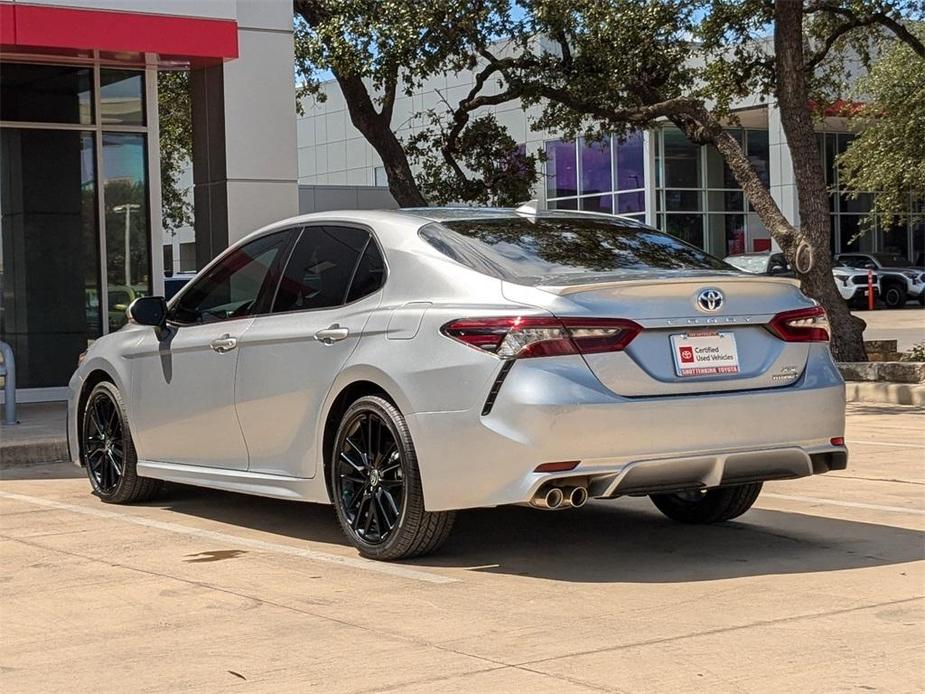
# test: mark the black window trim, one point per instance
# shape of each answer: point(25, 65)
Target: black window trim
point(272, 279)
point(321, 224)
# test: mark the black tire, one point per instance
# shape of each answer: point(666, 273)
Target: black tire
point(894, 296)
point(359, 485)
point(708, 506)
point(107, 450)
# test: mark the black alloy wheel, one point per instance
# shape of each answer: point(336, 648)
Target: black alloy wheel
point(104, 449)
point(107, 450)
point(376, 485)
point(370, 476)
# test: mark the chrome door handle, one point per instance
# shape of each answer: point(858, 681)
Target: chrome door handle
point(223, 344)
point(333, 334)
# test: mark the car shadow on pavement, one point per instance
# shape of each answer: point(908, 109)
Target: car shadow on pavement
point(626, 541)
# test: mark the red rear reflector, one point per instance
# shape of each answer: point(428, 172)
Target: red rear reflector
point(543, 336)
point(802, 325)
point(838, 441)
point(564, 466)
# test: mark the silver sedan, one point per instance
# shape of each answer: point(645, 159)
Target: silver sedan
point(406, 364)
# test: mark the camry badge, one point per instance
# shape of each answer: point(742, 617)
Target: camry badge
point(710, 300)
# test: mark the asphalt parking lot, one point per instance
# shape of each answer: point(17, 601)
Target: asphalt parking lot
point(818, 589)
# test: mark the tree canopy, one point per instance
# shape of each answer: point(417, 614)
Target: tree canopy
point(888, 156)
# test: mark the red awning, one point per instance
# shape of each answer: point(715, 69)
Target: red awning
point(36, 28)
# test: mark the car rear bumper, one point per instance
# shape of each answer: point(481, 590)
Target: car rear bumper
point(554, 410)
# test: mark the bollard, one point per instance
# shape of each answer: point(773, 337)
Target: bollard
point(870, 290)
point(8, 371)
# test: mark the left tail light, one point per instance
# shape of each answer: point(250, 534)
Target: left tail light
point(541, 336)
point(802, 325)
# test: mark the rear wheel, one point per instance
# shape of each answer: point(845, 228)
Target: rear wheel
point(108, 450)
point(376, 485)
point(708, 505)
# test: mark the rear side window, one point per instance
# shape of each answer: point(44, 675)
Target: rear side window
point(322, 267)
point(551, 250)
point(369, 274)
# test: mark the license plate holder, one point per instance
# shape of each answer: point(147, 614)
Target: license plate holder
point(705, 353)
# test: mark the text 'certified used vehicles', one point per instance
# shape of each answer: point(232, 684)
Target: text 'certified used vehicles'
point(406, 364)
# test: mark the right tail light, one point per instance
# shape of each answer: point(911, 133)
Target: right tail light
point(801, 325)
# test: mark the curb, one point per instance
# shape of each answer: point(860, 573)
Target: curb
point(33, 453)
point(885, 393)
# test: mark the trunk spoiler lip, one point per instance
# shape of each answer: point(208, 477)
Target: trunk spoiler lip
point(566, 289)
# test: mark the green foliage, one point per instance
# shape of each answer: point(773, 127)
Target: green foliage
point(176, 141)
point(889, 154)
point(492, 169)
point(916, 353)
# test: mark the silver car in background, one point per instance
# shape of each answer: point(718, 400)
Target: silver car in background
point(406, 364)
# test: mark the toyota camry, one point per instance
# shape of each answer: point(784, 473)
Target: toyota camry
point(402, 365)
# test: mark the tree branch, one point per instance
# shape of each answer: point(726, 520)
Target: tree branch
point(855, 20)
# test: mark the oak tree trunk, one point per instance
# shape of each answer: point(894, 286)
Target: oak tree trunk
point(814, 269)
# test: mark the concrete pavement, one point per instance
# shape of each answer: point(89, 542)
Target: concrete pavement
point(905, 325)
point(818, 589)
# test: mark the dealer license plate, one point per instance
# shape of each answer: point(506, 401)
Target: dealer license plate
point(704, 353)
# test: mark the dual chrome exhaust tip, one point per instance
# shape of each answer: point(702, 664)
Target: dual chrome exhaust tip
point(556, 498)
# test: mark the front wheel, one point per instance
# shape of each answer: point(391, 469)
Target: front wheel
point(708, 505)
point(894, 296)
point(108, 451)
point(376, 485)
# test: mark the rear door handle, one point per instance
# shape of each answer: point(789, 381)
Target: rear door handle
point(223, 344)
point(333, 334)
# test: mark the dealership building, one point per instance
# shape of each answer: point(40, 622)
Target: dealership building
point(657, 176)
point(79, 172)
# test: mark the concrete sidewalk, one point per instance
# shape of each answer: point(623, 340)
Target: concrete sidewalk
point(905, 325)
point(39, 437)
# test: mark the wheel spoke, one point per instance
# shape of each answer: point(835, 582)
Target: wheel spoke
point(116, 465)
point(359, 468)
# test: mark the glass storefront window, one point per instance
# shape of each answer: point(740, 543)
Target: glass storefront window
point(46, 93)
point(49, 252)
point(628, 203)
point(719, 174)
point(727, 234)
point(682, 200)
point(688, 227)
point(630, 163)
point(597, 203)
point(681, 160)
point(757, 148)
point(561, 169)
point(595, 167)
point(569, 204)
point(853, 235)
point(122, 97)
point(125, 200)
point(893, 239)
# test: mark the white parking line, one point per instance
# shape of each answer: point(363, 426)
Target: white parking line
point(259, 545)
point(847, 504)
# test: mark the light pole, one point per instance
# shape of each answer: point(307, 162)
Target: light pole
point(127, 208)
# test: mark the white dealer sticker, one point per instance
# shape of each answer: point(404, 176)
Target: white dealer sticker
point(704, 353)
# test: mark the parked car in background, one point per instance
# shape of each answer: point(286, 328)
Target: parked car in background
point(405, 364)
point(765, 263)
point(900, 280)
point(851, 283)
point(175, 282)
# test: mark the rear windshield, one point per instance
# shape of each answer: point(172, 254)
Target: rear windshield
point(556, 250)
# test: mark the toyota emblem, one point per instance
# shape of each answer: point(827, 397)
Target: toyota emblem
point(710, 300)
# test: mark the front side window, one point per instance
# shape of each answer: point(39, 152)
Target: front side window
point(554, 249)
point(322, 266)
point(232, 287)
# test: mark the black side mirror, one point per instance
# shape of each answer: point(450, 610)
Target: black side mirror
point(149, 310)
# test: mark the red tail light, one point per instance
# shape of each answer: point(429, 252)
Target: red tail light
point(540, 336)
point(802, 325)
